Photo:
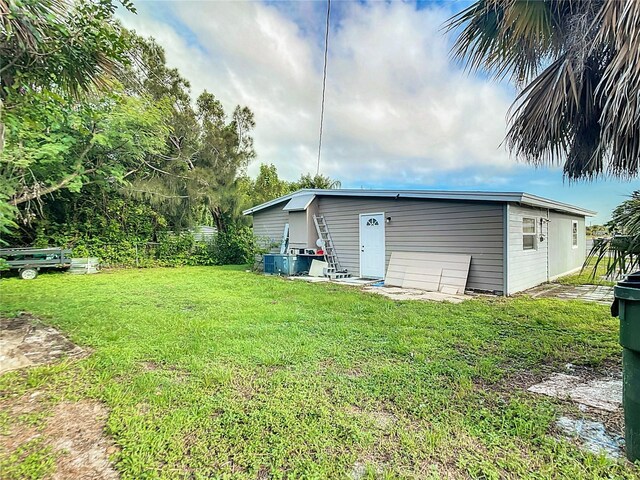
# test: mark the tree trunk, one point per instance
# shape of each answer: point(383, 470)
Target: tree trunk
point(216, 213)
point(1, 126)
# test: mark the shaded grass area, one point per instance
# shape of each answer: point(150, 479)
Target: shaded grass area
point(217, 373)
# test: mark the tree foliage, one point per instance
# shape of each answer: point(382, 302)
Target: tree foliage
point(578, 66)
point(316, 181)
point(56, 142)
point(48, 47)
point(107, 152)
point(207, 150)
point(265, 187)
point(75, 46)
point(268, 185)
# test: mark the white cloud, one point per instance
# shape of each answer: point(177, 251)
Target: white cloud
point(397, 110)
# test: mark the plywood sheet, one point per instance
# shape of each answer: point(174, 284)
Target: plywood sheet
point(395, 275)
point(422, 278)
point(428, 271)
point(317, 268)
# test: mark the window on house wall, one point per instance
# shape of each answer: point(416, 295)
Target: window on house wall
point(528, 233)
point(574, 234)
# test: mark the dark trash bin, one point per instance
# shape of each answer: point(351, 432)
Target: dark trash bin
point(627, 306)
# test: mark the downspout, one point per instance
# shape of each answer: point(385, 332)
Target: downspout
point(548, 245)
point(505, 249)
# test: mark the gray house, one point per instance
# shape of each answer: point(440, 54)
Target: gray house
point(516, 240)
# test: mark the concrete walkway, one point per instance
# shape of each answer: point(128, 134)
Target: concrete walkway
point(589, 293)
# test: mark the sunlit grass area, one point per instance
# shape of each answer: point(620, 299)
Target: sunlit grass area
point(217, 373)
point(588, 275)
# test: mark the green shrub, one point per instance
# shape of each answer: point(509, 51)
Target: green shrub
point(134, 235)
point(237, 246)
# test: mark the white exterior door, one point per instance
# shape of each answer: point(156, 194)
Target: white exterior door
point(372, 254)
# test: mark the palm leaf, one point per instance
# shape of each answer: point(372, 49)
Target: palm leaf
point(506, 37)
point(620, 86)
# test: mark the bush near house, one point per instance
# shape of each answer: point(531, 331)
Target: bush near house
point(237, 246)
point(125, 234)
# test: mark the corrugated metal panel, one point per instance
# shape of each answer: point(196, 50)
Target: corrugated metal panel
point(436, 226)
point(299, 202)
point(268, 226)
point(203, 233)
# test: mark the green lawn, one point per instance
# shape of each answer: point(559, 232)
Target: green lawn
point(217, 373)
point(586, 277)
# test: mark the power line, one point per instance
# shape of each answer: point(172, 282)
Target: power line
point(324, 83)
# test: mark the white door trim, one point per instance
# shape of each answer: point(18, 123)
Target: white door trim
point(384, 241)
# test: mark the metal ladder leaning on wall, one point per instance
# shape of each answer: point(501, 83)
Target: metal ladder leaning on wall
point(334, 270)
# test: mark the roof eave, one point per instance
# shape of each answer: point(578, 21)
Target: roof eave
point(502, 197)
point(536, 201)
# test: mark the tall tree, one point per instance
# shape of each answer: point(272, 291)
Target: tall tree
point(198, 176)
point(577, 63)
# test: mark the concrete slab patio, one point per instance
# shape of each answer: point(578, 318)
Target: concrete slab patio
point(589, 293)
point(24, 342)
point(600, 393)
point(397, 293)
point(394, 293)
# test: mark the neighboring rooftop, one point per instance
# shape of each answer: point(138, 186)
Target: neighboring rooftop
point(301, 199)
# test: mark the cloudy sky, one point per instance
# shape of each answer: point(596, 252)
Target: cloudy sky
point(398, 113)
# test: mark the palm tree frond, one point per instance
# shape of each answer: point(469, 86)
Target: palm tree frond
point(619, 89)
point(506, 37)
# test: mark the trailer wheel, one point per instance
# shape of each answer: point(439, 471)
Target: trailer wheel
point(28, 273)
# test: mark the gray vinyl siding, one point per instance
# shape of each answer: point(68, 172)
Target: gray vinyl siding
point(420, 225)
point(268, 225)
point(563, 257)
point(527, 268)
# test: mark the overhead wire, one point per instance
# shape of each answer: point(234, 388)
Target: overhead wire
point(324, 84)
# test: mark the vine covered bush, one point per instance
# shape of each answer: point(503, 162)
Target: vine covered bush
point(234, 247)
point(134, 235)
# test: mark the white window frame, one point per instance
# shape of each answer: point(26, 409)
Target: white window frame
point(575, 239)
point(528, 234)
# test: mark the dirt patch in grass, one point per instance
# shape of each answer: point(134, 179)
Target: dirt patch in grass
point(71, 432)
point(380, 419)
point(25, 341)
point(77, 429)
point(176, 374)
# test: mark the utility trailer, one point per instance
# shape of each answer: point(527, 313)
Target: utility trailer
point(29, 261)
